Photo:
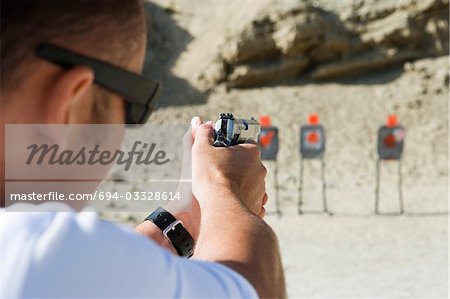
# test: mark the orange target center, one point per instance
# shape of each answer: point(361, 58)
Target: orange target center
point(389, 141)
point(266, 139)
point(312, 137)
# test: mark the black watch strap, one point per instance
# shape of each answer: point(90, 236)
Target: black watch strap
point(173, 230)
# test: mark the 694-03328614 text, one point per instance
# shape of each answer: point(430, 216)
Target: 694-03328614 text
point(139, 195)
point(97, 195)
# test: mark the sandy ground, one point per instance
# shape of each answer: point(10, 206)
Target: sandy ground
point(352, 253)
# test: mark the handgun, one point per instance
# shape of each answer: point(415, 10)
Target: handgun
point(231, 130)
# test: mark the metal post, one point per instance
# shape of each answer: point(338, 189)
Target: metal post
point(400, 184)
point(377, 186)
point(400, 189)
point(275, 181)
point(300, 188)
point(324, 187)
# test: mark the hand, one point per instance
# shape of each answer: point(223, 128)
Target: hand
point(187, 210)
point(221, 172)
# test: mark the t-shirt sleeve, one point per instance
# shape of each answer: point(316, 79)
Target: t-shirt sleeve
point(212, 279)
point(81, 256)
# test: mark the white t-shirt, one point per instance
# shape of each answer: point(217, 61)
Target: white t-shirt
point(76, 255)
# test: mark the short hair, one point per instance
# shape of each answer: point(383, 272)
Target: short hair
point(106, 28)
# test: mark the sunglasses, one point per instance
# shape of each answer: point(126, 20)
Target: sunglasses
point(140, 93)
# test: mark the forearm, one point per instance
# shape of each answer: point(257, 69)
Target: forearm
point(150, 230)
point(190, 216)
point(233, 236)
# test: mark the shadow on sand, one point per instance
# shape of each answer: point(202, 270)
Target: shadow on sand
point(166, 41)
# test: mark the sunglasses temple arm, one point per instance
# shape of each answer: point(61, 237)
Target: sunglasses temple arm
point(136, 89)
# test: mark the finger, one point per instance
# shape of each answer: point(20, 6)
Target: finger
point(204, 134)
point(195, 122)
point(188, 137)
point(188, 140)
point(249, 145)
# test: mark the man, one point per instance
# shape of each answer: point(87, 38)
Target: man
point(69, 254)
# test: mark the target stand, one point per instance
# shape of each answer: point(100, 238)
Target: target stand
point(268, 145)
point(312, 146)
point(390, 148)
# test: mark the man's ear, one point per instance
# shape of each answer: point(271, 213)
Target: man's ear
point(68, 88)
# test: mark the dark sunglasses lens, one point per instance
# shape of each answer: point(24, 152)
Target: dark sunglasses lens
point(137, 114)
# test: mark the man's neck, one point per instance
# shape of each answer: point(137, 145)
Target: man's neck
point(2, 164)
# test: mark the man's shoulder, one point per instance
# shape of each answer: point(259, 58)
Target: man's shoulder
point(38, 223)
point(55, 253)
point(67, 229)
point(41, 248)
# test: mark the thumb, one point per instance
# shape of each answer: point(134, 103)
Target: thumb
point(204, 134)
point(195, 122)
point(189, 136)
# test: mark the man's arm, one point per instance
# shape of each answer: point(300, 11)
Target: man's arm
point(190, 218)
point(229, 185)
point(150, 230)
point(188, 210)
point(234, 237)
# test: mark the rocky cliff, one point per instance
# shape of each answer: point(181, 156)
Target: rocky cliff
point(329, 40)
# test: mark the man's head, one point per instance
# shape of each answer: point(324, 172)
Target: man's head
point(36, 91)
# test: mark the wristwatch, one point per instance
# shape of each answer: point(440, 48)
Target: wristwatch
point(173, 230)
